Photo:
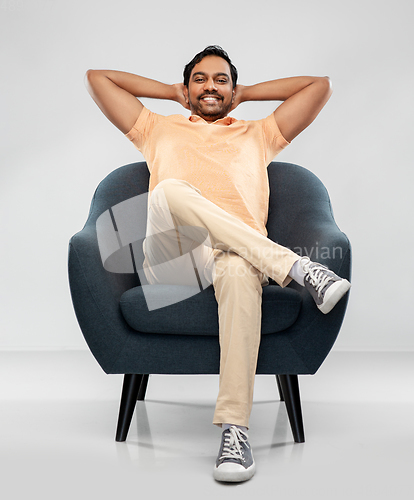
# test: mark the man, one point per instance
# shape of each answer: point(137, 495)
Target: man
point(209, 198)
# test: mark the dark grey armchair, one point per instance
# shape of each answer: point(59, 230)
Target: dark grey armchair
point(182, 338)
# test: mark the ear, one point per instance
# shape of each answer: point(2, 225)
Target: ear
point(185, 92)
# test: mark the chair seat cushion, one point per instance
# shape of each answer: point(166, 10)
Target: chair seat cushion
point(198, 314)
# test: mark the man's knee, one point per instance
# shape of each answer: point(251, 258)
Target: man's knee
point(172, 193)
point(167, 183)
point(163, 188)
point(173, 186)
point(162, 193)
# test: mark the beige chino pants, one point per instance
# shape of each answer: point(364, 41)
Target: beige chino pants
point(191, 240)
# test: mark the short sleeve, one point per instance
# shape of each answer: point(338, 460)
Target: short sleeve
point(142, 128)
point(274, 140)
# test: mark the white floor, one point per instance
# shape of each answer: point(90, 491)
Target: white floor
point(59, 411)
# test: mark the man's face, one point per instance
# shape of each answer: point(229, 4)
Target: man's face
point(210, 89)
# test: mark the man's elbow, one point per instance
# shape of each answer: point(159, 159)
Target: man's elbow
point(93, 80)
point(90, 75)
point(326, 83)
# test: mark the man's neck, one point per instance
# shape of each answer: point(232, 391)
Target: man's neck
point(209, 120)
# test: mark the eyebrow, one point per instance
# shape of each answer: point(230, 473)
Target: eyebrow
point(205, 74)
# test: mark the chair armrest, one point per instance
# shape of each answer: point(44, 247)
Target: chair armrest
point(301, 218)
point(314, 334)
point(95, 294)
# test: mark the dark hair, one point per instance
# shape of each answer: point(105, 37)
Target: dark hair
point(211, 50)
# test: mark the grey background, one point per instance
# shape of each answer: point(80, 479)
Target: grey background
point(56, 145)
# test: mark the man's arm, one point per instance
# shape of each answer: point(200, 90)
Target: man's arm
point(303, 96)
point(116, 92)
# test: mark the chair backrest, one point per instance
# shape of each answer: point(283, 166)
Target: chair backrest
point(122, 184)
point(299, 209)
point(292, 190)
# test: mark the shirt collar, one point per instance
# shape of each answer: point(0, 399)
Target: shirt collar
point(227, 120)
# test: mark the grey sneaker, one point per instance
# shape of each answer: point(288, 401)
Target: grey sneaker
point(235, 462)
point(324, 285)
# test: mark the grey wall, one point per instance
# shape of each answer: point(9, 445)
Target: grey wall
point(56, 145)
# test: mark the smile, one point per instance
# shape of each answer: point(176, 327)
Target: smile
point(210, 98)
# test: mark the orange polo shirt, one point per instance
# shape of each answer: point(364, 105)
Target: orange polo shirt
point(226, 160)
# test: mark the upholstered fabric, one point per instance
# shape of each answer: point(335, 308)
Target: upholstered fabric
point(198, 315)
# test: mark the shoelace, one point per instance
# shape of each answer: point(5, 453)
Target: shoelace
point(232, 447)
point(317, 277)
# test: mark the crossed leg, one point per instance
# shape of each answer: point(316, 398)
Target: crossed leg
point(186, 220)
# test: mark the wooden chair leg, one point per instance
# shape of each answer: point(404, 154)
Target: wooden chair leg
point(143, 388)
point(130, 390)
point(290, 390)
point(279, 387)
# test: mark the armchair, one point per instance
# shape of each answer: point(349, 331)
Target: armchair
point(127, 338)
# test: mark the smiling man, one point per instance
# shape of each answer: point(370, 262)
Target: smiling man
point(211, 92)
point(209, 197)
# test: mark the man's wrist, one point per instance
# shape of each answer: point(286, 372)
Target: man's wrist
point(252, 93)
point(171, 92)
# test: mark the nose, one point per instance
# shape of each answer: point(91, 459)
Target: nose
point(210, 84)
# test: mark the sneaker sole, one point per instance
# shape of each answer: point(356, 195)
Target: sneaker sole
point(333, 295)
point(233, 473)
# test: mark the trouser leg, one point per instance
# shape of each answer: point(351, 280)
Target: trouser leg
point(238, 290)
